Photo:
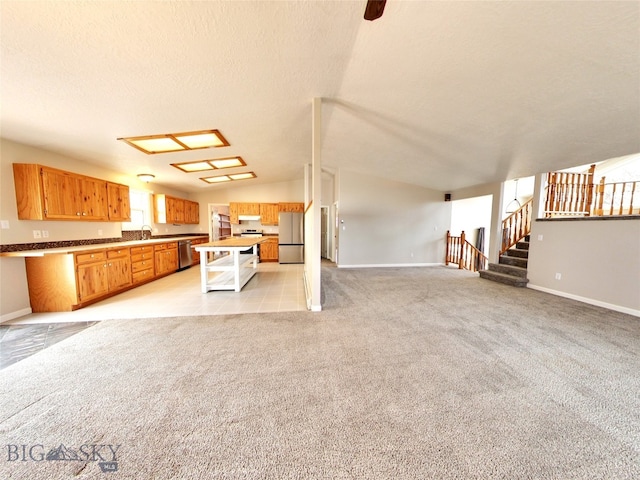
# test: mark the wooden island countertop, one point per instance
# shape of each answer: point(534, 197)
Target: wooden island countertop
point(232, 242)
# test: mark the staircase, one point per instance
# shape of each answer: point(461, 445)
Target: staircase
point(512, 269)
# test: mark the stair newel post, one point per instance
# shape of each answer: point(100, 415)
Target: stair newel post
point(446, 252)
point(590, 186)
point(601, 187)
point(462, 250)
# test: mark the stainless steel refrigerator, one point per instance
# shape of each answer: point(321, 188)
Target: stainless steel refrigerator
point(291, 237)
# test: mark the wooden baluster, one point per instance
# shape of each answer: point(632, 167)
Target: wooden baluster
point(633, 191)
point(613, 197)
point(461, 261)
point(590, 185)
point(600, 210)
point(624, 185)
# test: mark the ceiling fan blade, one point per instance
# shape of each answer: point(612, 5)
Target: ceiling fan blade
point(374, 9)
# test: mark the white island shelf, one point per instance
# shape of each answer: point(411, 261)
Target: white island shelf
point(231, 271)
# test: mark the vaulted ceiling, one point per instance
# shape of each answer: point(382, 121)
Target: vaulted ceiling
point(441, 94)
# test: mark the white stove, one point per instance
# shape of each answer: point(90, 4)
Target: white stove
point(249, 233)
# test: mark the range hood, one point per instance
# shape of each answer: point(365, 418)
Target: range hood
point(248, 217)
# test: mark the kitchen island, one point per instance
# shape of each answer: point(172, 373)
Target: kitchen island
point(234, 269)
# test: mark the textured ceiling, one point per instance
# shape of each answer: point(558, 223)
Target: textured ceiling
point(440, 94)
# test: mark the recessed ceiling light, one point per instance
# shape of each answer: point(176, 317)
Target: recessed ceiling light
point(213, 164)
point(176, 142)
point(228, 178)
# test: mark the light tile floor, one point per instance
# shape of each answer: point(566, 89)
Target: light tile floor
point(275, 288)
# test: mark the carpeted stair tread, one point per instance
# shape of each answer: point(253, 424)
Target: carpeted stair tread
point(504, 278)
point(522, 245)
point(513, 270)
point(517, 261)
point(517, 252)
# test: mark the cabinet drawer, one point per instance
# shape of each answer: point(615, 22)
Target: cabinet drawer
point(142, 256)
point(171, 245)
point(142, 265)
point(90, 257)
point(141, 275)
point(121, 252)
point(136, 250)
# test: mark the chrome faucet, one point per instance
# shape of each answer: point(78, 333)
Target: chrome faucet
point(143, 232)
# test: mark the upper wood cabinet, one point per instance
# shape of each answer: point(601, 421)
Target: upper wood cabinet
point(237, 209)
point(45, 193)
point(169, 209)
point(118, 199)
point(269, 213)
point(291, 207)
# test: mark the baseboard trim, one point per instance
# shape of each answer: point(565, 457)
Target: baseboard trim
point(590, 301)
point(17, 314)
point(390, 265)
point(307, 292)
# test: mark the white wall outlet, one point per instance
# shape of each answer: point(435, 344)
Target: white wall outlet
point(4, 224)
point(558, 276)
point(540, 237)
point(45, 233)
point(37, 234)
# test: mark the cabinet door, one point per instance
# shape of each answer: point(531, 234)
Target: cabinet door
point(269, 214)
point(118, 200)
point(62, 195)
point(119, 273)
point(92, 280)
point(166, 261)
point(94, 198)
point(233, 213)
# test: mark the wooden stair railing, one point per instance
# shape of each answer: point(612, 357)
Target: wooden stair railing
point(462, 253)
point(619, 198)
point(516, 226)
point(569, 193)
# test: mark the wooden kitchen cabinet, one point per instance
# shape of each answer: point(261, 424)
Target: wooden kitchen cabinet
point(118, 201)
point(269, 250)
point(91, 275)
point(45, 193)
point(118, 268)
point(142, 264)
point(236, 209)
point(269, 213)
point(191, 212)
point(291, 207)
point(195, 259)
point(169, 209)
point(166, 258)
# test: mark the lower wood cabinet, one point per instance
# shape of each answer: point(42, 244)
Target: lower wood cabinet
point(166, 258)
point(69, 281)
point(142, 264)
point(269, 250)
point(195, 259)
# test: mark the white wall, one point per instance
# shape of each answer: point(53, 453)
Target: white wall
point(469, 215)
point(598, 260)
point(390, 223)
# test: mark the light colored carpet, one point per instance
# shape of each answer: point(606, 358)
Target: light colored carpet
point(406, 373)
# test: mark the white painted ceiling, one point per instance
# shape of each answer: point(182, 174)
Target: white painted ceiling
point(441, 94)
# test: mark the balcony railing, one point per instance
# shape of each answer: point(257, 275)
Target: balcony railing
point(575, 194)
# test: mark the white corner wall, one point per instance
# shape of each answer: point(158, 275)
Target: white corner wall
point(385, 223)
point(598, 261)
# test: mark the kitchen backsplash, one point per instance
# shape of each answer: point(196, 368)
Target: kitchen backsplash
point(253, 225)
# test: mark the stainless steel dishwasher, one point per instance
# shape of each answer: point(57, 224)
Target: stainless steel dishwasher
point(185, 254)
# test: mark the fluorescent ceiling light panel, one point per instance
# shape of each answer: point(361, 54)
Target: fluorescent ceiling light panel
point(228, 162)
point(242, 176)
point(176, 142)
point(193, 166)
point(213, 164)
point(228, 178)
point(218, 179)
